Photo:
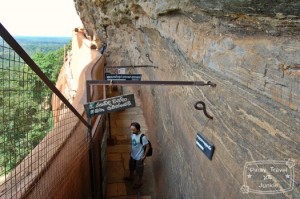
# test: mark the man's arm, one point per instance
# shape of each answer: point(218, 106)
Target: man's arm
point(146, 151)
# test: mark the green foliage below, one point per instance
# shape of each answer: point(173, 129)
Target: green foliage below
point(51, 62)
point(25, 106)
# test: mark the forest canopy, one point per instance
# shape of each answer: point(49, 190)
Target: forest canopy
point(25, 101)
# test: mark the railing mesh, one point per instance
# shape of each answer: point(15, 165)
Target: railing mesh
point(34, 126)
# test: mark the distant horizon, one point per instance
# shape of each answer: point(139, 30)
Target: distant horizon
point(40, 36)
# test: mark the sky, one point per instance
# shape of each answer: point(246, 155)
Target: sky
point(39, 17)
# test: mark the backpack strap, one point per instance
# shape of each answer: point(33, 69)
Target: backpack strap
point(141, 138)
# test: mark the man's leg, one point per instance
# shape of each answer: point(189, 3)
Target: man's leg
point(132, 166)
point(140, 172)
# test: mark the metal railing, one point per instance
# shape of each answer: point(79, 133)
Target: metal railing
point(36, 124)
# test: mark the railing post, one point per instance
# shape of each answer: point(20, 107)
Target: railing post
point(91, 158)
point(100, 163)
point(90, 142)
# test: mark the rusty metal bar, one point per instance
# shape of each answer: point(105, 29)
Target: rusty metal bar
point(137, 66)
point(162, 83)
point(14, 44)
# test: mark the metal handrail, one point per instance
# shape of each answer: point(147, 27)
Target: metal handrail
point(14, 44)
point(162, 83)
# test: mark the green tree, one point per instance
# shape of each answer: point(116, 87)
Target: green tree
point(50, 63)
point(25, 111)
point(25, 117)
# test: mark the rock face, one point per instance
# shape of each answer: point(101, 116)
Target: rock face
point(250, 49)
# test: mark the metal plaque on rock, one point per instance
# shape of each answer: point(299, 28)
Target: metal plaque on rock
point(110, 105)
point(135, 77)
point(206, 147)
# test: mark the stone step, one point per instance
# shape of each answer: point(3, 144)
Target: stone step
point(116, 189)
point(118, 149)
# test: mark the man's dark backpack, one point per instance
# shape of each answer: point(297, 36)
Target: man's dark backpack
point(150, 150)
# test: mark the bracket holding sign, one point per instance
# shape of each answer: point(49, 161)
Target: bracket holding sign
point(162, 83)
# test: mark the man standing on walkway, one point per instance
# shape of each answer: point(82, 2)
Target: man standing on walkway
point(139, 149)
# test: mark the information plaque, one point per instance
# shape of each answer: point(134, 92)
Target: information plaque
point(207, 148)
point(134, 77)
point(110, 105)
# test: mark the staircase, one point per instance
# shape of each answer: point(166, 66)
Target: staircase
point(118, 154)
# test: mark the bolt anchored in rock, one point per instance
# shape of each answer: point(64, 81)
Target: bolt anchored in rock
point(147, 55)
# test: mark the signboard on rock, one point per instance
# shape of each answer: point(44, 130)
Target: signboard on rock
point(110, 105)
point(207, 148)
point(134, 77)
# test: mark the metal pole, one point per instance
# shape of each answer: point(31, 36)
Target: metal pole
point(109, 128)
point(162, 83)
point(104, 88)
point(90, 141)
point(100, 157)
point(101, 167)
point(100, 172)
point(91, 161)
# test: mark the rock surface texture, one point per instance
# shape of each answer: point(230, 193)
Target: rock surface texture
point(250, 49)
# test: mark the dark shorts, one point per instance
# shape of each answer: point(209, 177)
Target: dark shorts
point(137, 165)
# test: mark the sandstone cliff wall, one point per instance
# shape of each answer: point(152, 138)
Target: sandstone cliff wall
point(250, 49)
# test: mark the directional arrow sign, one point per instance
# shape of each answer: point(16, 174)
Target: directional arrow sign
point(110, 105)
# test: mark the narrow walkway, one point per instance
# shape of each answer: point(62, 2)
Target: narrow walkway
point(118, 155)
